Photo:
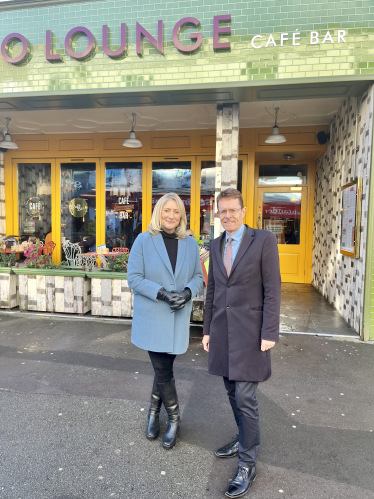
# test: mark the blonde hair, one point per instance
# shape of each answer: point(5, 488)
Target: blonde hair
point(155, 227)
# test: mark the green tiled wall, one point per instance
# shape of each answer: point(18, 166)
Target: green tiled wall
point(242, 64)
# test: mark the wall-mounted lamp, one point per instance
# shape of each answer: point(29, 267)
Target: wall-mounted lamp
point(132, 141)
point(275, 137)
point(7, 143)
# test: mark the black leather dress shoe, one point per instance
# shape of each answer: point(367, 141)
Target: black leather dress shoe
point(229, 450)
point(242, 482)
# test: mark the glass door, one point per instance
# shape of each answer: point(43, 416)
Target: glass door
point(282, 210)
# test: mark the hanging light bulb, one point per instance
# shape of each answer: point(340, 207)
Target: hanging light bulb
point(275, 137)
point(7, 143)
point(132, 141)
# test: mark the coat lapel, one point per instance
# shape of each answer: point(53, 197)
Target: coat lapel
point(182, 246)
point(161, 250)
point(219, 255)
point(248, 237)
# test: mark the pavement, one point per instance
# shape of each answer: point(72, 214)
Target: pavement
point(74, 396)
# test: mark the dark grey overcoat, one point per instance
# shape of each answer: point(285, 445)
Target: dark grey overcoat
point(244, 308)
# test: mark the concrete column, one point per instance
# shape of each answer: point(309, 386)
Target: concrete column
point(227, 152)
point(2, 197)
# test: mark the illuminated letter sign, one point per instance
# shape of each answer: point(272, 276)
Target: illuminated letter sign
point(121, 50)
point(69, 38)
point(5, 48)
point(218, 31)
point(48, 54)
point(194, 36)
point(140, 31)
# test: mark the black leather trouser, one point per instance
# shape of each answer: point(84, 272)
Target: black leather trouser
point(243, 400)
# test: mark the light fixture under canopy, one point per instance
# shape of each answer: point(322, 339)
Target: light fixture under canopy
point(275, 137)
point(132, 141)
point(7, 143)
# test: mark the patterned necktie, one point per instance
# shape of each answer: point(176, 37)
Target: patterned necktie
point(228, 257)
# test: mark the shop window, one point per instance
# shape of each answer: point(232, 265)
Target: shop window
point(173, 176)
point(282, 174)
point(123, 204)
point(281, 214)
point(34, 200)
point(78, 204)
point(207, 197)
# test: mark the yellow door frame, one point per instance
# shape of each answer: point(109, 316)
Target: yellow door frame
point(310, 185)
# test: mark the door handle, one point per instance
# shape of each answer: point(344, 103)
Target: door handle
point(259, 220)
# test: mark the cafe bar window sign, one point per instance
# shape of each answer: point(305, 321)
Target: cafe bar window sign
point(219, 43)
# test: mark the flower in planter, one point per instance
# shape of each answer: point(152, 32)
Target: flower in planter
point(7, 258)
point(118, 263)
point(35, 258)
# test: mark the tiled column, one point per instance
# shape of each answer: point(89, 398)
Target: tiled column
point(2, 197)
point(227, 151)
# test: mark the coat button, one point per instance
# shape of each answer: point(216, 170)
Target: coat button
point(228, 306)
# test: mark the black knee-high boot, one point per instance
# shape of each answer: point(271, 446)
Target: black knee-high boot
point(170, 400)
point(153, 428)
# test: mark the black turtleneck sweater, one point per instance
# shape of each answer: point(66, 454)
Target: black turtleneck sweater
point(171, 243)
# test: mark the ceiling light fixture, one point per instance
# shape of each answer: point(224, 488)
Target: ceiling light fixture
point(132, 141)
point(288, 157)
point(7, 143)
point(275, 137)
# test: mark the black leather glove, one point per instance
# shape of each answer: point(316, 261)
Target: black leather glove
point(183, 297)
point(169, 296)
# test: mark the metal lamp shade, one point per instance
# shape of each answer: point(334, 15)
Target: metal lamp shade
point(132, 142)
point(7, 143)
point(275, 137)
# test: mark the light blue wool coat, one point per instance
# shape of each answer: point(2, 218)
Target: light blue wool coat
point(154, 327)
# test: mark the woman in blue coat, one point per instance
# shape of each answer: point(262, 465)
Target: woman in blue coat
point(164, 272)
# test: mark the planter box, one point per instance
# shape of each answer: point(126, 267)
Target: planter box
point(9, 297)
point(112, 297)
point(198, 304)
point(45, 290)
point(110, 294)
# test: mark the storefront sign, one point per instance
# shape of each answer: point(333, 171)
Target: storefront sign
point(34, 207)
point(78, 207)
point(257, 41)
point(281, 211)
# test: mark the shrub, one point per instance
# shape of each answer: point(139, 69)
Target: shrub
point(119, 263)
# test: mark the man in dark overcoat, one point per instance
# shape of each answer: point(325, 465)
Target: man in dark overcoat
point(241, 324)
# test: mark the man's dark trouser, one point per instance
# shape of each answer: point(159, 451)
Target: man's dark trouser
point(242, 396)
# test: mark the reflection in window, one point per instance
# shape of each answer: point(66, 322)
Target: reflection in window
point(207, 197)
point(34, 200)
point(282, 174)
point(281, 213)
point(123, 208)
point(172, 176)
point(78, 204)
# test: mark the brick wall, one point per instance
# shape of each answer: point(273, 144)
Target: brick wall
point(242, 64)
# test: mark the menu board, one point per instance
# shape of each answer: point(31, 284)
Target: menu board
point(351, 219)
